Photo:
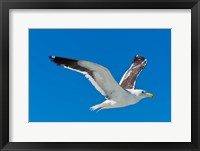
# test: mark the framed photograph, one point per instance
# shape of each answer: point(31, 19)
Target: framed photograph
point(99, 75)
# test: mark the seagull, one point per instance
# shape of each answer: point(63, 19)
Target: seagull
point(116, 95)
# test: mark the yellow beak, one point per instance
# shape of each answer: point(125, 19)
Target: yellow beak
point(150, 95)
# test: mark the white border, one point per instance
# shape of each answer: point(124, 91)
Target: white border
point(179, 130)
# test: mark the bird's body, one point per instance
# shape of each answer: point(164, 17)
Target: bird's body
point(127, 98)
point(117, 95)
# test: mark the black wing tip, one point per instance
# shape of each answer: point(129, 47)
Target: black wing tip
point(52, 57)
point(139, 59)
point(62, 61)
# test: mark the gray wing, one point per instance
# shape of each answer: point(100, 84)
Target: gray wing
point(130, 76)
point(99, 76)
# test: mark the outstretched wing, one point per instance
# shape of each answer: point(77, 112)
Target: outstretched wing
point(130, 76)
point(99, 76)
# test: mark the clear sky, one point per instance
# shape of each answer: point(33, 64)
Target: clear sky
point(60, 95)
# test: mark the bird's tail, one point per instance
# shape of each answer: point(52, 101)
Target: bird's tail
point(95, 107)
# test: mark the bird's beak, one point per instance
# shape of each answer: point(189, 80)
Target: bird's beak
point(150, 95)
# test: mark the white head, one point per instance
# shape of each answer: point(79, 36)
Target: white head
point(141, 93)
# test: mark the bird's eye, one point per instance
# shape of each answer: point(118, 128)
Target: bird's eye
point(142, 91)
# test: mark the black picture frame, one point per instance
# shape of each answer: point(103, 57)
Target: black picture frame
point(5, 5)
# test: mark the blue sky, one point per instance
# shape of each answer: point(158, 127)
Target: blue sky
point(60, 95)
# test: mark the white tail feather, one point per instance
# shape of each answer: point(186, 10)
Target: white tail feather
point(95, 107)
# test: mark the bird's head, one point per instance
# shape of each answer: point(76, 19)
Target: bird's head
point(142, 94)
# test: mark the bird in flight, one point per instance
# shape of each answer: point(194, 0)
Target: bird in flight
point(117, 95)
